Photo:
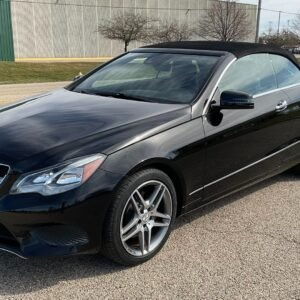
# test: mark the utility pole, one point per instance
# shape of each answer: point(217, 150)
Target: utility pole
point(258, 21)
point(279, 20)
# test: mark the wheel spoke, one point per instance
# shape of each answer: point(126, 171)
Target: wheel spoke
point(141, 198)
point(142, 240)
point(136, 206)
point(161, 215)
point(155, 194)
point(157, 203)
point(159, 224)
point(131, 234)
point(149, 237)
point(129, 226)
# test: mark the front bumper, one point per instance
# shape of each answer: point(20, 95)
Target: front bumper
point(65, 224)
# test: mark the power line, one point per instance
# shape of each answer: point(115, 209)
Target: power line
point(55, 3)
point(186, 10)
point(280, 11)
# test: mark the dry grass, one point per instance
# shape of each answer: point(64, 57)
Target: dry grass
point(11, 72)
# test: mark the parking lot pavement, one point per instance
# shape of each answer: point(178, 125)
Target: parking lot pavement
point(243, 247)
point(13, 92)
point(246, 246)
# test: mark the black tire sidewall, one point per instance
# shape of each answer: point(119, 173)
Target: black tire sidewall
point(296, 170)
point(121, 198)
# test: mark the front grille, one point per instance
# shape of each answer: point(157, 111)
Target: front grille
point(3, 172)
point(61, 235)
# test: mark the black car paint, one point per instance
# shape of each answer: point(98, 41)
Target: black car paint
point(65, 119)
point(245, 137)
point(178, 139)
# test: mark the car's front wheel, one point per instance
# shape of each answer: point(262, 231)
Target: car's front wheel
point(141, 217)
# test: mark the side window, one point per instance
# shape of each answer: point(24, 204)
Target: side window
point(252, 74)
point(286, 72)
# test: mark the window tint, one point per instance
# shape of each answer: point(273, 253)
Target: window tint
point(252, 74)
point(153, 77)
point(286, 72)
point(135, 70)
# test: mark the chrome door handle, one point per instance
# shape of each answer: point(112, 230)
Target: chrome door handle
point(282, 105)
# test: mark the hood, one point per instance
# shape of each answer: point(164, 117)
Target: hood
point(69, 124)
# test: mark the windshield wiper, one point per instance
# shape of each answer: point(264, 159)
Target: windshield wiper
point(128, 97)
point(118, 95)
point(87, 92)
point(83, 92)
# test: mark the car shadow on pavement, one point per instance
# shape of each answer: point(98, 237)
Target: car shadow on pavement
point(25, 276)
point(19, 276)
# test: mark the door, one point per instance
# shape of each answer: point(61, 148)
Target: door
point(244, 146)
point(288, 78)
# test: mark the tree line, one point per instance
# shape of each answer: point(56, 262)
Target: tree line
point(224, 20)
point(286, 37)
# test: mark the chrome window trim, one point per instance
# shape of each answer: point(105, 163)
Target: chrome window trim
point(205, 110)
point(276, 90)
point(2, 180)
point(244, 168)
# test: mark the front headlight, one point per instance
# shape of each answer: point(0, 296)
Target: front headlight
point(59, 178)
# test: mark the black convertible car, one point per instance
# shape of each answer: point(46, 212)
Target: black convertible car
point(107, 163)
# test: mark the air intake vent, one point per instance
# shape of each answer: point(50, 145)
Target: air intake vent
point(3, 172)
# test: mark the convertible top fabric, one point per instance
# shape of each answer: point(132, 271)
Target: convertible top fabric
point(239, 49)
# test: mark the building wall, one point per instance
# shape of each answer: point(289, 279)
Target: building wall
point(6, 36)
point(43, 29)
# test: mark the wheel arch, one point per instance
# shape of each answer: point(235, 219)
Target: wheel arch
point(176, 177)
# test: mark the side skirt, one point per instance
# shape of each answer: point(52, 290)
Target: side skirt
point(272, 165)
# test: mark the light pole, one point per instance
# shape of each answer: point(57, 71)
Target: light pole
point(279, 21)
point(258, 21)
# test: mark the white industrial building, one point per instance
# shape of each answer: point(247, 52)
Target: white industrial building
point(68, 28)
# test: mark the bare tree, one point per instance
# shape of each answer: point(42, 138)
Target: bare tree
point(224, 21)
point(169, 31)
point(296, 25)
point(285, 38)
point(127, 28)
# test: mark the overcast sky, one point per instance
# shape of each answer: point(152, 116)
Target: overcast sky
point(268, 18)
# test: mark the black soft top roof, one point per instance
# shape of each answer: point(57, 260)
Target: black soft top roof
point(239, 49)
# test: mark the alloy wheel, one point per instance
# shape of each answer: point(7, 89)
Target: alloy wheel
point(146, 218)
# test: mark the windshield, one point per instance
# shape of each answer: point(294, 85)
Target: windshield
point(151, 77)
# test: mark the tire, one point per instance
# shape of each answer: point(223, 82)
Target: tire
point(296, 170)
point(152, 221)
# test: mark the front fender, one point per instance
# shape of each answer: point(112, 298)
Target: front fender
point(180, 149)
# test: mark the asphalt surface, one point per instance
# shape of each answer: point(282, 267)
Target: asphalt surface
point(13, 92)
point(246, 246)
